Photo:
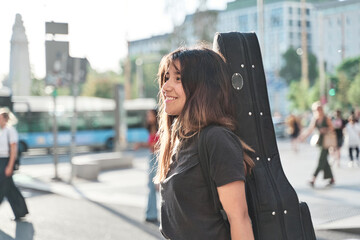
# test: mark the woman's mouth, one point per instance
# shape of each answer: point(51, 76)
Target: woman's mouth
point(168, 99)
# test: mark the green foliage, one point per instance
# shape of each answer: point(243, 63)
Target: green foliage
point(300, 97)
point(313, 70)
point(350, 67)
point(63, 91)
point(101, 84)
point(151, 88)
point(37, 87)
point(291, 70)
point(344, 84)
point(354, 91)
point(149, 66)
point(314, 93)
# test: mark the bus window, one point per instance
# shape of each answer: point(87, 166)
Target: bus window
point(37, 122)
point(136, 118)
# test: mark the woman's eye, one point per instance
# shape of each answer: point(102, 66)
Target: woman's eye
point(166, 78)
point(178, 79)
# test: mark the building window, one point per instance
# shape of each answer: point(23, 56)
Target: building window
point(307, 23)
point(290, 23)
point(299, 11)
point(290, 10)
point(290, 35)
point(243, 23)
point(276, 17)
point(299, 23)
point(307, 11)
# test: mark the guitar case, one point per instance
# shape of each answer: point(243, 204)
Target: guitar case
point(274, 207)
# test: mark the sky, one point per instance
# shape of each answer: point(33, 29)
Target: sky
point(98, 29)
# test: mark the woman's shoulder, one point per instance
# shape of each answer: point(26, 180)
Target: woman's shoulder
point(218, 129)
point(217, 133)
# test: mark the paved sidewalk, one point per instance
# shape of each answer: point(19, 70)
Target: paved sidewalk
point(336, 207)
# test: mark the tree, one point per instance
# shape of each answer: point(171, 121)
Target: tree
point(342, 88)
point(37, 87)
point(101, 84)
point(291, 70)
point(344, 83)
point(354, 92)
point(149, 65)
point(302, 98)
point(350, 67)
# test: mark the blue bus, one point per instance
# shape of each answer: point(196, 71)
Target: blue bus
point(5, 97)
point(95, 121)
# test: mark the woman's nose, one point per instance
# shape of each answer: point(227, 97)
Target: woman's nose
point(167, 86)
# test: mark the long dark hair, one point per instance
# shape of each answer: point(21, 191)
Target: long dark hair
point(205, 78)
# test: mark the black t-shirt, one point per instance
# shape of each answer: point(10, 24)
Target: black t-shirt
point(187, 209)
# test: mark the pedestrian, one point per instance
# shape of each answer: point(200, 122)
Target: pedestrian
point(195, 92)
point(293, 130)
point(8, 151)
point(323, 124)
point(339, 124)
point(352, 139)
point(152, 127)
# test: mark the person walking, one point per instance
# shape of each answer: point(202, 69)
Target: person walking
point(352, 139)
point(323, 124)
point(152, 127)
point(339, 124)
point(195, 92)
point(8, 151)
point(293, 130)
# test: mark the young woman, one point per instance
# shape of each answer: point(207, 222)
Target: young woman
point(293, 130)
point(321, 122)
point(8, 151)
point(338, 123)
point(195, 92)
point(152, 127)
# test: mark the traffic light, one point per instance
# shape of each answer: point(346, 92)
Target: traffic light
point(332, 92)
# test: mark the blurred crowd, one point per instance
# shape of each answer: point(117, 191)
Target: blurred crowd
point(346, 126)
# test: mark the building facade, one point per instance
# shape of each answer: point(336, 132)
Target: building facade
point(338, 32)
point(332, 33)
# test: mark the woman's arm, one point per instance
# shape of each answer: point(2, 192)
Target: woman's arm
point(308, 131)
point(330, 125)
point(233, 200)
point(141, 145)
point(10, 167)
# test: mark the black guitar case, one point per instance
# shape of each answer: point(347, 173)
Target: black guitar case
point(273, 203)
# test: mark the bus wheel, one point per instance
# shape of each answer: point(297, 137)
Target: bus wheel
point(109, 144)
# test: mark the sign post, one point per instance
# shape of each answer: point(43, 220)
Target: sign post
point(56, 52)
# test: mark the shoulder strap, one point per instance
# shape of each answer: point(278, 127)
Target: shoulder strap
point(205, 168)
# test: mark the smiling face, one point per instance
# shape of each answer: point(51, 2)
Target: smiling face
point(173, 91)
